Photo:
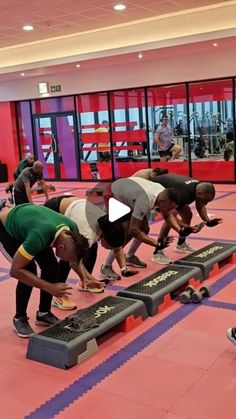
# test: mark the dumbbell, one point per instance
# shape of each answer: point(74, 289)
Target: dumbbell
point(185, 297)
point(198, 295)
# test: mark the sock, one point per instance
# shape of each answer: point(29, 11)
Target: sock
point(181, 241)
point(133, 248)
point(110, 258)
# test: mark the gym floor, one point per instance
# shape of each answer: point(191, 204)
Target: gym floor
point(178, 364)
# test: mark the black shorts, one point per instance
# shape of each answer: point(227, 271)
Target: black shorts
point(54, 203)
point(168, 152)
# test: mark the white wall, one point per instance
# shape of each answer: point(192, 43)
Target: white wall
point(217, 63)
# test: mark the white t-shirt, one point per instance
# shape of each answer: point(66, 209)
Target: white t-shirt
point(85, 215)
point(138, 194)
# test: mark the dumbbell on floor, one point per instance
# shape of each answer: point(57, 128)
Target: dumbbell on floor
point(185, 297)
point(198, 295)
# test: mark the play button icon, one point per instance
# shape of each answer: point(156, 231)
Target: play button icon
point(116, 209)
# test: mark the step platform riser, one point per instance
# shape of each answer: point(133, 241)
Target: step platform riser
point(62, 348)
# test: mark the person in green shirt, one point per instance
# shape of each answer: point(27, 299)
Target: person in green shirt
point(27, 235)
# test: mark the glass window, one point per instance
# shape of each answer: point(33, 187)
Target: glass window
point(95, 148)
point(211, 126)
point(53, 105)
point(168, 125)
point(25, 128)
point(129, 132)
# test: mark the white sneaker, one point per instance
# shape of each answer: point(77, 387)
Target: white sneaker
point(161, 259)
point(231, 334)
point(185, 248)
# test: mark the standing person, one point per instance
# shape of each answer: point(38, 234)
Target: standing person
point(141, 196)
point(94, 225)
point(104, 155)
point(27, 234)
point(21, 192)
point(190, 190)
point(163, 136)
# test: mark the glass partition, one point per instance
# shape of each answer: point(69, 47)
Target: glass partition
point(94, 137)
point(129, 131)
point(167, 116)
point(211, 126)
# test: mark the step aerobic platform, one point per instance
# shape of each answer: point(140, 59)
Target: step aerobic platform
point(210, 258)
point(155, 289)
point(62, 348)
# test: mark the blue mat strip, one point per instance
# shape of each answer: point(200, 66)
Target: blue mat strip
point(81, 386)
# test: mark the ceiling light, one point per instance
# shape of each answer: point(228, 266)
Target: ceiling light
point(119, 7)
point(215, 44)
point(78, 65)
point(27, 27)
point(22, 74)
point(140, 55)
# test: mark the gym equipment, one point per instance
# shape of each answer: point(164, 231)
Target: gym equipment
point(66, 344)
point(198, 295)
point(208, 258)
point(156, 288)
point(185, 297)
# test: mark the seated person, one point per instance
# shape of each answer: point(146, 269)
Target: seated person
point(168, 150)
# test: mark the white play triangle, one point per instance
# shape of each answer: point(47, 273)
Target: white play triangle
point(116, 209)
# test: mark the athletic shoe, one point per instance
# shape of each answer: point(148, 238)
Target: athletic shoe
point(22, 327)
point(160, 258)
point(135, 261)
point(47, 319)
point(108, 273)
point(231, 333)
point(185, 248)
point(63, 303)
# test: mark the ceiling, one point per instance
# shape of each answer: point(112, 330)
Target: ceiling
point(69, 31)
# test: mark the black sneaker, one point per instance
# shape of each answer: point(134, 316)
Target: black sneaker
point(47, 319)
point(22, 327)
point(135, 261)
point(231, 333)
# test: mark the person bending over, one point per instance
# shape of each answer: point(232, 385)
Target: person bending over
point(94, 225)
point(190, 190)
point(27, 235)
point(21, 192)
point(141, 196)
point(151, 174)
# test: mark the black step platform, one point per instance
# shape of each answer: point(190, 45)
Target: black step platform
point(153, 289)
point(63, 348)
point(208, 258)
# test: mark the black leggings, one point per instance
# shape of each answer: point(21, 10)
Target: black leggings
point(49, 272)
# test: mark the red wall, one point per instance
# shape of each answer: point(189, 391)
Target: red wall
point(8, 139)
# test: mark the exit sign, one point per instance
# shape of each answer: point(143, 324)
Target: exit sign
point(55, 88)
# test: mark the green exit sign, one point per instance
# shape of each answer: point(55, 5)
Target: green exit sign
point(55, 88)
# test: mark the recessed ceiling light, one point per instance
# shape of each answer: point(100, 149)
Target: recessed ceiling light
point(215, 44)
point(120, 7)
point(78, 65)
point(28, 28)
point(140, 55)
point(22, 74)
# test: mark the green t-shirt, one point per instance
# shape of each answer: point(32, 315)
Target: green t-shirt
point(35, 227)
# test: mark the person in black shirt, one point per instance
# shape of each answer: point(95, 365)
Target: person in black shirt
point(190, 190)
